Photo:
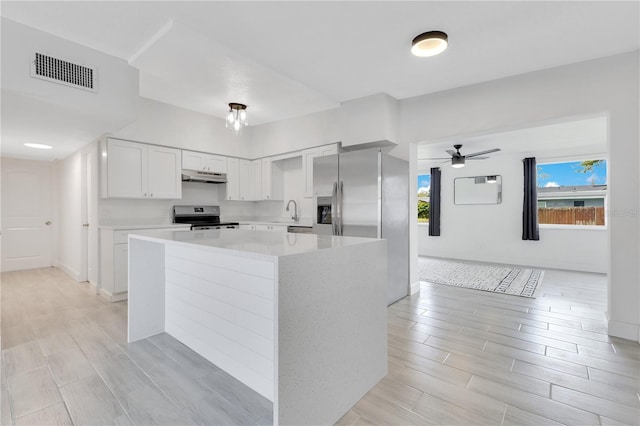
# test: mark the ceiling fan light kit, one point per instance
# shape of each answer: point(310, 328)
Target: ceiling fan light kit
point(457, 162)
point(430, 43)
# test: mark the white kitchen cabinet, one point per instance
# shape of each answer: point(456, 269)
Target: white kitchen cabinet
point(272, 182)
point(202, 162)
point(138, 170)
point(264, 227)
point(282, 228)
point(257, 184)
point(216, 163)
point(114, 259)
point(233, 179)
point(164, 172)
point(307, 165)
point(246, 181)
point(120, 267)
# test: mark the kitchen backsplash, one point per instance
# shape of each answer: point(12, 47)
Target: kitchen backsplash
point(133, 211)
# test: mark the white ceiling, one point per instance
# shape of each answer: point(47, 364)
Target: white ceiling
point(550, 141)
point(292, 58)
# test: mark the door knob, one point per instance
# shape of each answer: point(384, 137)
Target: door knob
point(48, 223)
point(85, 225)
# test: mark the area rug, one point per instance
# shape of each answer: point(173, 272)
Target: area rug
point(495, 278)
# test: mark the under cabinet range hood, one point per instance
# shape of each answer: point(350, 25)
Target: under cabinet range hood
point(206, 177)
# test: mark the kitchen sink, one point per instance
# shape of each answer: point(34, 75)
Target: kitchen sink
point(297, 229)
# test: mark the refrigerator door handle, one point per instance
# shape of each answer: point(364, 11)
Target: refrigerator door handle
point(334, 207)
point(340, 208)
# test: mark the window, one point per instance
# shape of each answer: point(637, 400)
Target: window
point(424, 185)
point(572, 193)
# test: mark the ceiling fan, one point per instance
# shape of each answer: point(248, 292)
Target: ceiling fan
point(458, 160)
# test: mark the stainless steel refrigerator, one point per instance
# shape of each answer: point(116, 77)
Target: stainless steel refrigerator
point(366, 194)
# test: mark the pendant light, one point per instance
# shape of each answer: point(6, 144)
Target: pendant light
point(237, 117)
point(430, 43)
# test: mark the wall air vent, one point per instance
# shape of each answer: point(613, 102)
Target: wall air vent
point(63, 72)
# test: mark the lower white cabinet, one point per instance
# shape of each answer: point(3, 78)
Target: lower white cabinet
point(264, 227)
point(271, 228)
point(114, 260)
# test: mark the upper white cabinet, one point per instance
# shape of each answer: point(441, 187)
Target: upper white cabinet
point(137, 170)
point(240, 184)
point(256, 180)
point(204, 162)
point(307, 165)
point(233, 179)
point(163, 172)
point(272, 180)
point(246, 181)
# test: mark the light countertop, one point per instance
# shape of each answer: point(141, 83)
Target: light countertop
point(268, 221)
point(143, 226)
point(254, 244)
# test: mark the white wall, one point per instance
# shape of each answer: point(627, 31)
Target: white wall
point(307, 131)
point(36, 110)
point(70, 178)
point(603, 86)
point(164, 124)
point(493, 233)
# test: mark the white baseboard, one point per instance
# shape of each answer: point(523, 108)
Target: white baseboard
point(414, 288)
point(117, 297)
point(69, 271)
point(94, 287)
point(624, 330)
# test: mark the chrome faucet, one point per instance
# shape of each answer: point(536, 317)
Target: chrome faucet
point(295, 211)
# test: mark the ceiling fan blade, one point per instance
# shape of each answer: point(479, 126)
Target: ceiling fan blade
point(475, 154)
point(437, 158)
point(451, 152)
point(477, 158)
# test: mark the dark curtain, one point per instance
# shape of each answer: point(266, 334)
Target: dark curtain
point(434, 203)
point(530, 230)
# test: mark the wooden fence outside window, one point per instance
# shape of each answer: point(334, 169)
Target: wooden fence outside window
point(571, 215)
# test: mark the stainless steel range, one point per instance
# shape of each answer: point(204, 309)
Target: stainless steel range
point(201, 217)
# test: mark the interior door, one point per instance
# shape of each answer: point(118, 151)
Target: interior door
point(360, 213)
point(26, 215)
point(92, 217)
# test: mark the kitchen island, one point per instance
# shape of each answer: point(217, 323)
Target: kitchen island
point(301, 319)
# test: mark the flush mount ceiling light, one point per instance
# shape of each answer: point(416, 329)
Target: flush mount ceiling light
point(237, 117)
point(430, 43)
point(38, 146)
point(457, 162)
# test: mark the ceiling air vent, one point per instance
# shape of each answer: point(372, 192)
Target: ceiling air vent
point(63, 72)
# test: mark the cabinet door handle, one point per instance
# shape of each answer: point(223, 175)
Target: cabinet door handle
point(151, 195)
point(145, 194)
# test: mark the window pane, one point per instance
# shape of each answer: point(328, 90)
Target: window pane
point(424, 186)
point(572, 193)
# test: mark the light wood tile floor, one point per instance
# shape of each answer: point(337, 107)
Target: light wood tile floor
point(465, 357)
point(66, 361)
point(456, 357)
